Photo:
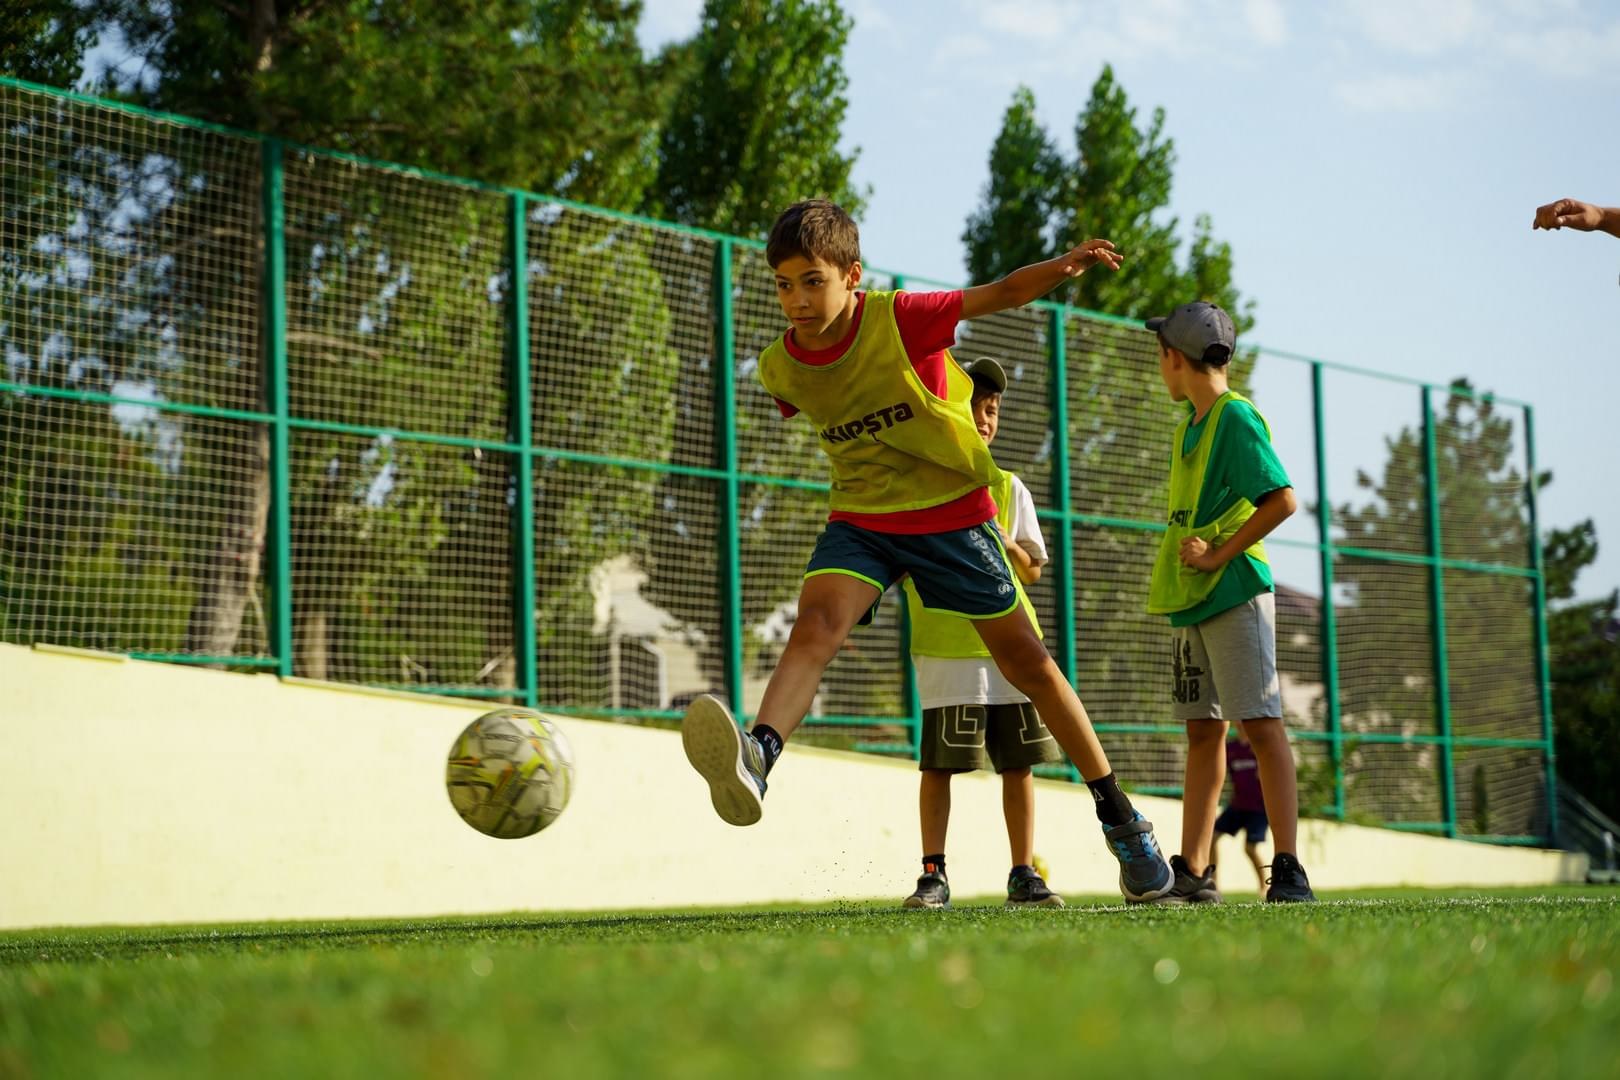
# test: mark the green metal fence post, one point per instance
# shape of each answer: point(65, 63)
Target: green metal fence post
point(1543, 674)
point(910, 693)
point(1327, 618)
point(520, 415)
point(725, 450)
point(1437, 612)
point(273, 282)
point(1057, 363)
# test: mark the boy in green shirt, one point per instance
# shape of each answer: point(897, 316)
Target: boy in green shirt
point(1228, 491)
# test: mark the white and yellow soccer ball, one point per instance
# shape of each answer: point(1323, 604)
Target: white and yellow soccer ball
point(510, 773)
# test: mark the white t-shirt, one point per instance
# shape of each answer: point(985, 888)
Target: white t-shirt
point(943, 680)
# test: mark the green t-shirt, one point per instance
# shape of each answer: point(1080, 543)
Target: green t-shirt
point(1242, 465)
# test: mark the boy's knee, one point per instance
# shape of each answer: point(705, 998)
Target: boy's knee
point(1204, 733)
point(1015, 775)
point(818, 630)
point(1265, 731)
point(1026, 663)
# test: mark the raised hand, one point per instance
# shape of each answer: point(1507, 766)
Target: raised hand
point(1078, 260)
point(1568, 214)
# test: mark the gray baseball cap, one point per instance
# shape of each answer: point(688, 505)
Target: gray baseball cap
point(989, 370)
point(1192, 328)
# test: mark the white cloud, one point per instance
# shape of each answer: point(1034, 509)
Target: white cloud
point(1428, 92)
point(1417, 27)
point(1266, 21)
point(868, 15)
point(1575, 52)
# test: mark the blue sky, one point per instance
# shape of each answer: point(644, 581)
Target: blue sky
point(1373, 163)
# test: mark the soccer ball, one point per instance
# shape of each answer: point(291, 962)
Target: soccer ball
point(510, 773)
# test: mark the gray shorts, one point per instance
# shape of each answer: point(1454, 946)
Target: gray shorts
point(1225, 668)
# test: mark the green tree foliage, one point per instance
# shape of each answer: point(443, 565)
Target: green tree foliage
point(1118, 185)
point(1584, 638)
point(1386, 635)
point(1014, 224)
point(755, 123)
point(43, 41)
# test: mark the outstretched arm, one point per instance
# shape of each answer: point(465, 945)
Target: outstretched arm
point(1037, 279)
point(1574, 214)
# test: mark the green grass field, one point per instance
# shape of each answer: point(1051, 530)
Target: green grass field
point(1394, 984)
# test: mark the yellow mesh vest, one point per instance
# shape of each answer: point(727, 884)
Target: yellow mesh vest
point(1175, 587)
point(892, 444)
point(938, 633)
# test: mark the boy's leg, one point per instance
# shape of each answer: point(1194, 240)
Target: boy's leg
point(934, 809)
point(1018, 807)
point(830, 605)
point(1201, 792)
point(1277, 786)
point(1017, 740)
point(1252, 850)
point(934, 806)
point(734, 763)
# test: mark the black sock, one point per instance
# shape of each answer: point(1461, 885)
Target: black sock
point(1022, 870)
point(934, 864)
point(1113, 808)
point(770, 742)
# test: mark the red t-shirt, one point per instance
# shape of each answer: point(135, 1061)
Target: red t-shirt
point(927, 323)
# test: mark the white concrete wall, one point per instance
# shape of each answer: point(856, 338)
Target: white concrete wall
point(136, 792)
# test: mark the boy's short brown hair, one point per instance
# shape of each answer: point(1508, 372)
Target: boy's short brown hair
point(814, 229)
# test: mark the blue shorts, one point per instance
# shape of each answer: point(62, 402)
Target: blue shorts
point(963, 572)
point(1252, 822)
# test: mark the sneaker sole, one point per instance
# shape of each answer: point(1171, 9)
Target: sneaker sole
point(1053, 901)
point(912, 903)
point(713, 745)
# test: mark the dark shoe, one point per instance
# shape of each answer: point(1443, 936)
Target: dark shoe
point(1288, 883)
point(1143, 873)
point(729, 759)
point(933, 891)
point(1026, 888)
point(1190, 888)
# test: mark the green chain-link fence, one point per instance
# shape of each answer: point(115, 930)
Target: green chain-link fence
point(271, 407)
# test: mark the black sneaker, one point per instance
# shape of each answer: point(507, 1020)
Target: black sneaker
point(1190, 888)
point(1026, 888)
point(933, 891)
point(1288, 883)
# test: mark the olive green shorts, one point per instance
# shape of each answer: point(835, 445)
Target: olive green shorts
point(961, 738)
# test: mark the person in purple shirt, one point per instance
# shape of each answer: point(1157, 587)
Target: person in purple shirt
point(1247, 810)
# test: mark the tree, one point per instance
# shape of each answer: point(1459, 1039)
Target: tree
point(1037, 204)
point(1584, 639)
point(43, 41)
point(1013, 226)
point(1386, 636)
point(755, 124)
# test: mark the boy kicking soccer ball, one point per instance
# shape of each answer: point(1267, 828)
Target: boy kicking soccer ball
point(911, 495)
point(973, 717)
